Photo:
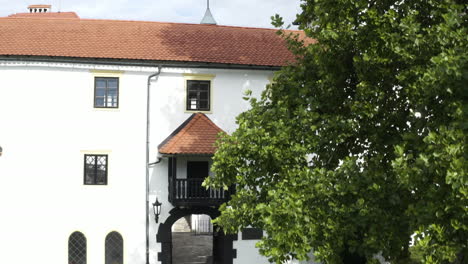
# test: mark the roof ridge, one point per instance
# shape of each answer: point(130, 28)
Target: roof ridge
point(189, 125)
point(142, 21)
point(43, 16)
point(184, 23)
point(183, 130)
point(211, 123)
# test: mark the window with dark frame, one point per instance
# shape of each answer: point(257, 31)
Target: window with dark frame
point(114, 248)
point(198, 95)
point(95, 169)
point(77, 248)
point(106, 92)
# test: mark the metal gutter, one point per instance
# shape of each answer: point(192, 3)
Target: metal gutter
point(148, 103)
point(138, 63)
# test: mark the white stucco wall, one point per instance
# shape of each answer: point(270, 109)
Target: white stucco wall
point(168, 112)
point(247, 252)
point(48, 123)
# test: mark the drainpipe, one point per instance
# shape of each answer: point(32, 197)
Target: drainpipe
point(156, 162)
point(148, 96)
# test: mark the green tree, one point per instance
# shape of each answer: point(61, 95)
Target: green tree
point(362, 142)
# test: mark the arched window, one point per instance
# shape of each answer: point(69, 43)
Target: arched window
point(114, 248)
point(77, 248)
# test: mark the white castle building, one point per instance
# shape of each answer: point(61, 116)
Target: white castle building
point(101, 118)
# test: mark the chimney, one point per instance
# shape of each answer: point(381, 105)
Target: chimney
point(208, 18)
point(39, 8)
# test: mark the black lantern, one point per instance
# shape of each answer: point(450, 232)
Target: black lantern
point(157, 209)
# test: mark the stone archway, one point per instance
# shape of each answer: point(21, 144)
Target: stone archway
point(164, 236)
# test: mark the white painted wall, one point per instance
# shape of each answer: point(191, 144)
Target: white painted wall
point(247, 252)
point(168, 113)
point(48, 123)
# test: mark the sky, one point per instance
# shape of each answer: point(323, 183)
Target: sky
point(246, 13)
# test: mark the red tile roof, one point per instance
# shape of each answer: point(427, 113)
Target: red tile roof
point(197, 135)
point(46, 34)
point(46, 15)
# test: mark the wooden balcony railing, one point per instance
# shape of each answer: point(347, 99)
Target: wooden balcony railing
point(185, 192)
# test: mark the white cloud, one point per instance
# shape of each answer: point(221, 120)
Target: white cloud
point(249, 13)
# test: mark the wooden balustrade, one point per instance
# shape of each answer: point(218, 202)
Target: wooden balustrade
point(191, 192)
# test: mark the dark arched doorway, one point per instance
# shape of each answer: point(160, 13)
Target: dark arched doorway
point(222, 244)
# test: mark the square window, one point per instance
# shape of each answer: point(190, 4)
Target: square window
point(106, 92)
point(198, 95)
point(95, 169)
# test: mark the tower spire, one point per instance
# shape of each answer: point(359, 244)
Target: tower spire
point(208, 18)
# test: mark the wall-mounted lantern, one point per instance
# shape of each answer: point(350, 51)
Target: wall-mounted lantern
point(1, 151)
point(157, 209)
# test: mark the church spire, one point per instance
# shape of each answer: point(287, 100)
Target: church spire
point(208, 18)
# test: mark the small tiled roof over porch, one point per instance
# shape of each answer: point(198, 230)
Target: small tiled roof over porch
point(196, 136)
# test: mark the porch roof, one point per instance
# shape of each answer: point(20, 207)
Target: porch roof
point(196, 136)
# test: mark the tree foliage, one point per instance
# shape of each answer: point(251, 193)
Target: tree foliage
point(363, 142)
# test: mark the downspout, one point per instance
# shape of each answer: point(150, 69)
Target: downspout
point(156, 162)
point(148, 96)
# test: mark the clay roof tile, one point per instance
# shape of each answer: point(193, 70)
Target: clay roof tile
point(196, 136)
point(64, 35)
